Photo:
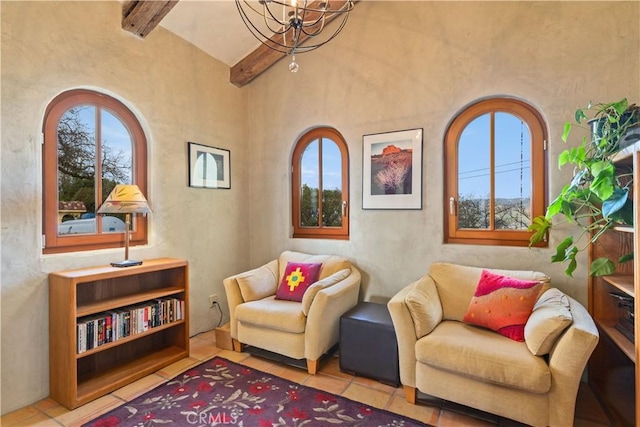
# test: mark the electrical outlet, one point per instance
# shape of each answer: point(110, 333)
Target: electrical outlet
point(213, 298)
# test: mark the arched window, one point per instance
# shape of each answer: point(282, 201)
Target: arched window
point(91, 143)
point(320, 185)
point(494, 173)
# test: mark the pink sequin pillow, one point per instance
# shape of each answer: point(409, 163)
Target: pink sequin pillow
point(503, 304)
point(297, 278)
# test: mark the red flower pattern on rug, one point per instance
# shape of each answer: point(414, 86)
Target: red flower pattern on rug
point(220, 392)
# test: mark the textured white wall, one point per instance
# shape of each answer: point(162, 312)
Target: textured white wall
point(402, 65)
point(179, 94)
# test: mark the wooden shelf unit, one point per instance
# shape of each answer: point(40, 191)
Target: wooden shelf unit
point(77, 378)
point(613, 372)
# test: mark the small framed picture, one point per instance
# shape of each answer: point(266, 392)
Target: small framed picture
point(392, 170)
point(209, 167)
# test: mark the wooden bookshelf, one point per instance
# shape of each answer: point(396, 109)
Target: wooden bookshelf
point(613, 373)
point(77, 378)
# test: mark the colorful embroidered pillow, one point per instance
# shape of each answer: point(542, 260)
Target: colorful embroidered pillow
point(296, 279)
point(503, 304)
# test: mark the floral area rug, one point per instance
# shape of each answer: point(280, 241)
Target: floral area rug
point(220, 392)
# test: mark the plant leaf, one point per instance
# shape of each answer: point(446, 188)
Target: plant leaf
point(602, 266)
point(567, 129)
point(556, 206)
point(568, 210)
point(603, 181)
point(575, 155)
point(539, 226)
point(563, 158)
point(561, 250)
point(620, 106)
point(614, 203)
point(575, 182)
point(571, 267)
point(625, 258)
point(624, 215)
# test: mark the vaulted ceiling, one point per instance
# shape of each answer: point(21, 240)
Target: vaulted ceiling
point(214, 26)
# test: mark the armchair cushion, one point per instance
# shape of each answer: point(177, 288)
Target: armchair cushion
point(312, 290)
point(258, 283)
point(270, 313)
point(297, 278)
point(551, 316)
point(503, 304)
point(483, 355)
point(424, 306)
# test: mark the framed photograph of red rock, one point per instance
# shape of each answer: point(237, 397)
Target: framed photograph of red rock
point(392, 170)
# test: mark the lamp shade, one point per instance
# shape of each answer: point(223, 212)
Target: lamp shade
point(125, 199)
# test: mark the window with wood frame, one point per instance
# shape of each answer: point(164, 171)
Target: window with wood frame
point(495, 168)
point(92, 142)
point(320, 185)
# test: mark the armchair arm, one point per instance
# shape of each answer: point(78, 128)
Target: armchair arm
point(405, 334)
point(248, 286)
point(415, 311)
point(567, 361)
point(323, 322)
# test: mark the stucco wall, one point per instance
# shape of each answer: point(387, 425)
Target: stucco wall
point(402, 65)
point(395, 66)
point(179, 94)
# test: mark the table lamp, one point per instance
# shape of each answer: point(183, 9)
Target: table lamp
point(125, 199)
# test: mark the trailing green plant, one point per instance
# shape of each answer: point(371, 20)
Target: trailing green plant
point(597, 197)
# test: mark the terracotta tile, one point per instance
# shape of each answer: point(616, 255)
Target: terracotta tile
point(234, 356)
point(268, 366)
point(209, 336)
point(55, 411)
point(202, 349)
point(426, 413)
point(46, 404)
point(39, 420)
point(375, 384)
point(376, 398)
point(294, 374)
point(137, 388)
point(87, 412)
point(18, 415)
point(327, 383)
point(332, 367)
point(178, 367)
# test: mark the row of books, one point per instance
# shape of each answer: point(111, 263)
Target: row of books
point(94, 331)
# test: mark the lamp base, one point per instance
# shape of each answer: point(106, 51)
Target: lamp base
point(126, 263)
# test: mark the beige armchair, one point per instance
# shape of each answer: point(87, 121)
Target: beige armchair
point(299, 330)
point(533, 382)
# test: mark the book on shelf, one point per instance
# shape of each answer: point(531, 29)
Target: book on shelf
point(99, 329)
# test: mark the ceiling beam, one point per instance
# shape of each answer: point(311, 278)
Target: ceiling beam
point(140, 17)
point(261, 59)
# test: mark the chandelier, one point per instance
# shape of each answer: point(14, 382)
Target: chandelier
point(293, 26)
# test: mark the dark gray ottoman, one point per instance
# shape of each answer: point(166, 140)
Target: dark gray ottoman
point(368, 345)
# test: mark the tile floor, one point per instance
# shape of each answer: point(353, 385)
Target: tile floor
point(47, 412)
